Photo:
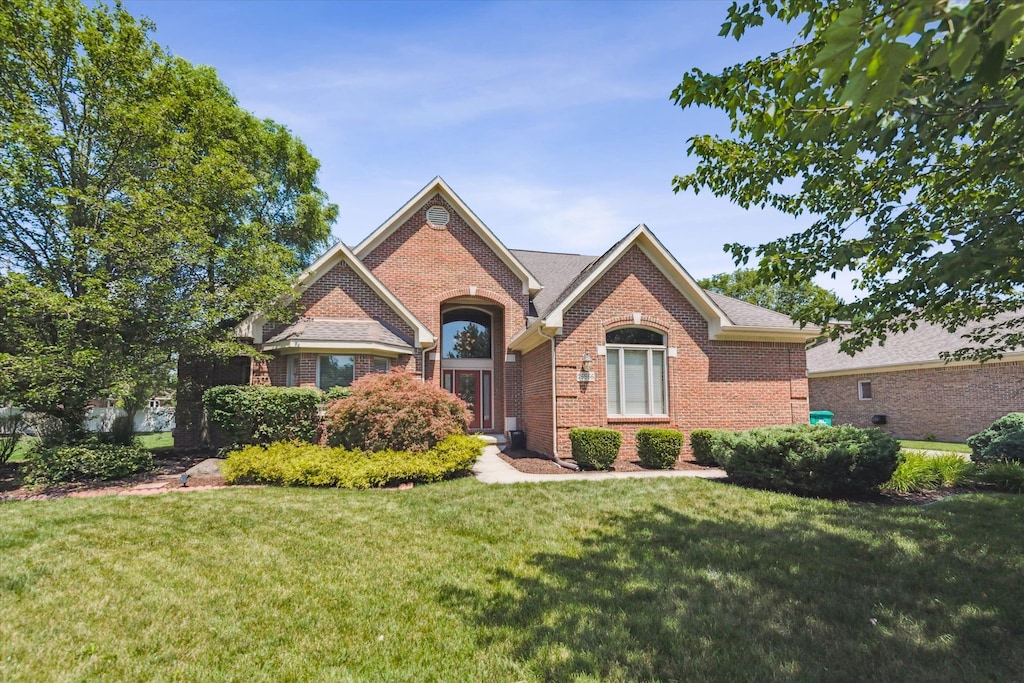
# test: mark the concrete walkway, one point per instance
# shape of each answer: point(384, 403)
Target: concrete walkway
point(491, 469)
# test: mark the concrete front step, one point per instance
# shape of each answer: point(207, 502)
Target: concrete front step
point(492, 439)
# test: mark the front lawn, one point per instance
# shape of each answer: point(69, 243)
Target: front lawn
point(660, 579)
point(935, 446)
point(154, 441)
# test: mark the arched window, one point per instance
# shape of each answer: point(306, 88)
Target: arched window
point(466, 333)
point(635, 361)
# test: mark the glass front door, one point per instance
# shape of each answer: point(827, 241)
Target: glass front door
point(473, 387)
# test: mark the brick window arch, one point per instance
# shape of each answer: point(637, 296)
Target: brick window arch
point(635, 361)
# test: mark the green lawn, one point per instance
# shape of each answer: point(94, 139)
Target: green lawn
point(936, 446)
point(661, 579)
point(151, 441)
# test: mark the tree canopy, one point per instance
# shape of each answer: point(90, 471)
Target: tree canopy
point(791, 299)
point(897, 126)
point(143, 212)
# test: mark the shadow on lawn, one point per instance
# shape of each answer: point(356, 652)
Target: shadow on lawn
point(795, 593)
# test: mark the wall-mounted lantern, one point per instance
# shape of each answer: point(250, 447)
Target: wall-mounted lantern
point(585, 374)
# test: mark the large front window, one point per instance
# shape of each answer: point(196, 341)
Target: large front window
point(635, 361)
point(335, 371)
point(466, 333)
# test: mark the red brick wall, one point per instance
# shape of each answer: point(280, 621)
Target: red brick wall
point(426, 266)
point(341, 293)
point(536, 371)
point(728, 385)
point(949, 403)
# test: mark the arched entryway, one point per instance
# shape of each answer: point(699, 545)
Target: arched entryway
point(467, 360)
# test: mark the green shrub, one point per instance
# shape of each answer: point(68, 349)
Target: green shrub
point(302, 464)
point(658, 448)
point(814, 460)
point(250, 415)
point(394, 410)
point(334, 393)
point(87, 462)
point(917, 472)
point(594, 447)
point(1004, 476)
point(1003, 441)
point(712, 447)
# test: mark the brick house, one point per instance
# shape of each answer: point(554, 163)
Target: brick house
point(535, 341)
point(906, 389)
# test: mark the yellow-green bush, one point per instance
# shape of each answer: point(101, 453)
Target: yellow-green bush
point(293, 463)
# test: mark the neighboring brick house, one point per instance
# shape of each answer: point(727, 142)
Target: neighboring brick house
point(534, 341)
point(906, 389)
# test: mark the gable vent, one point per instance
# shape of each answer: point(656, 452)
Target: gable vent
point(438, 216)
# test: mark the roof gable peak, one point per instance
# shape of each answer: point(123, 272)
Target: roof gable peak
point(439, 186)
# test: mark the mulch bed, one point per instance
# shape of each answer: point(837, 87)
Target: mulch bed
point(168, 463)
point(535, 463)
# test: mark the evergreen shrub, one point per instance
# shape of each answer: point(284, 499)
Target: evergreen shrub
point(301, 464)
point(658, 448)
point(253, 415)
point(594, 447)
point(1003, 441)
point(814, 460)
point(712, 447)
point(86, 462)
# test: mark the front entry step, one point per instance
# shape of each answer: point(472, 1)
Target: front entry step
point(493, 439)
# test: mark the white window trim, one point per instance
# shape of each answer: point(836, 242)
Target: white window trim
point(618, 350)
point(860, 389)
point(291, 372)
point(387, 364)
point(322, 355)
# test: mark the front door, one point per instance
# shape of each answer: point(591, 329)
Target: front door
point(473, 387)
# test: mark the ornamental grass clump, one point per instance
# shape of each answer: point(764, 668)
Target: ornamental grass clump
point(917, 472)
point(302, 464)
point(395, 411)
point(658, 448)
point(595, 448)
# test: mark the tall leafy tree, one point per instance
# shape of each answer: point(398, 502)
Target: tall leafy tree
point(143, 213)
point(472, 341)
point(897, 126)
point(791, 299)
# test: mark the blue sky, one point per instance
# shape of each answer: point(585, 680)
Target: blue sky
point(551, 120)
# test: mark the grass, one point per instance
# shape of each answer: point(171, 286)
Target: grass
point(661, 579)
point(935, 446)
point(155, 441)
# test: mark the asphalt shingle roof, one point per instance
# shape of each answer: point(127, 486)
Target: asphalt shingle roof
point(922, 345)
point(559, 273)
point(334, 330)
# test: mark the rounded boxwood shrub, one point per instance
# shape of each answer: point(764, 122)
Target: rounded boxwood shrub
point(87, 462)
point(814, 460)
point(1003, 441)
point(712, 447)
point(658, 448)
point(394, 410)
point(594, 447)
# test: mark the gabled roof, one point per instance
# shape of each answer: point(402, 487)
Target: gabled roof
point(728, 319)
point(252, 326)
point(439, 186)
point(913, 349)
point(340, 335)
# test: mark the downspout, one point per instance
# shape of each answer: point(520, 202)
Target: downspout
point(554, 406)
point(424, 354)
